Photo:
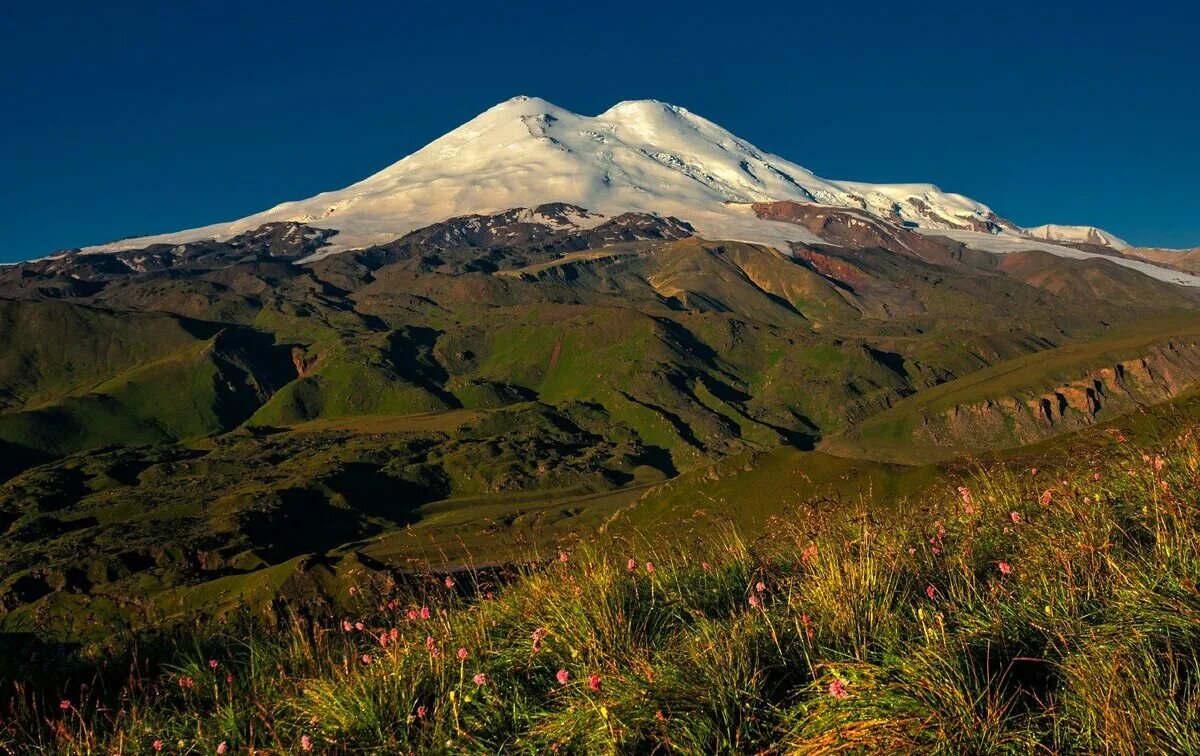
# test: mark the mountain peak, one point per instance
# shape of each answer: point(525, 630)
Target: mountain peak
point(644, 156)
point(643, 107)
point(524, 104)
point(1077, 235)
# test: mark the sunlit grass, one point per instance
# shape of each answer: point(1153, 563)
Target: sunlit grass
point(1024, 612)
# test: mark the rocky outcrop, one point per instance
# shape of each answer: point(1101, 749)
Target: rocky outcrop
point(520, 237)
point(853, 229)
point(829, 265)
point(1163, 372)
point(80, 274)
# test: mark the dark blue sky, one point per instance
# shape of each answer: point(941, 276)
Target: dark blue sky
point(134, 118)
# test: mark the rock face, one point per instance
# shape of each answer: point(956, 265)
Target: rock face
point(855, 229)
point(1163, 372)
point(521, 236)
point(472, 243)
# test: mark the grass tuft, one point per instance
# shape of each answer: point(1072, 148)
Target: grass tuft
point(1024, 612)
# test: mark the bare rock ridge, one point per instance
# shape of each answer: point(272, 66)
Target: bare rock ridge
point(1162, 373)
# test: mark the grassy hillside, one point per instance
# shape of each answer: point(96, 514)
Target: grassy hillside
point(1009, 610)
point(988, 404)
point(206, 387)
point(52, 349)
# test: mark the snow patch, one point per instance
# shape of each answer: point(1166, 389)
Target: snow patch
point(1077, 234)
point(1007, 243)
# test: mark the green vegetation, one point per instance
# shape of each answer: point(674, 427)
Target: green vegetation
point(1119, 369)
point(221, 454)
point(130, 538)
point(1026, 610)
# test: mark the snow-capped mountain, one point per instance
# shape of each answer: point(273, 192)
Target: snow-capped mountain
point(644, 156)
point(1077, 235)
point(638, 156)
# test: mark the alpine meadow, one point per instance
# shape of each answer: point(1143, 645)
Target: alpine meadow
point(609, 434)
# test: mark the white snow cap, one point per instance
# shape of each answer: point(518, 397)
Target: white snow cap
point(639, 155)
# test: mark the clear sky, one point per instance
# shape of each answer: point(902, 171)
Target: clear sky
point(126, 118)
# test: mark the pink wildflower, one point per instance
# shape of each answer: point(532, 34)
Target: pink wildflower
point(1047, 495)
point(760, 586)
point(930, 591)
point(64, 705)
point(394, 634)
point(157, 745)
point(383, 639)
point(563, 676)
point(221, 748)
point(837, 689)
point(1158, 464)
point(359, 626)
point(563, 556)
point(594, 682)
point(421, 712)
point(705, 566)
point(366, 658)
point(650, 567)
point(462, 654)
point(809, 553)
point(1004, 568)
point(346, 626)
point(353, 590)
point(480, 678)
point(1033, 471)
point(425, 612)
point(1015, 516)
point(632, 565)
point(212, 663)
point(306, 743)
point(449, 582)
point(754, 601)
point(412, 614)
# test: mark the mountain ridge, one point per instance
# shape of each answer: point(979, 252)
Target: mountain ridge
point(637, 156)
